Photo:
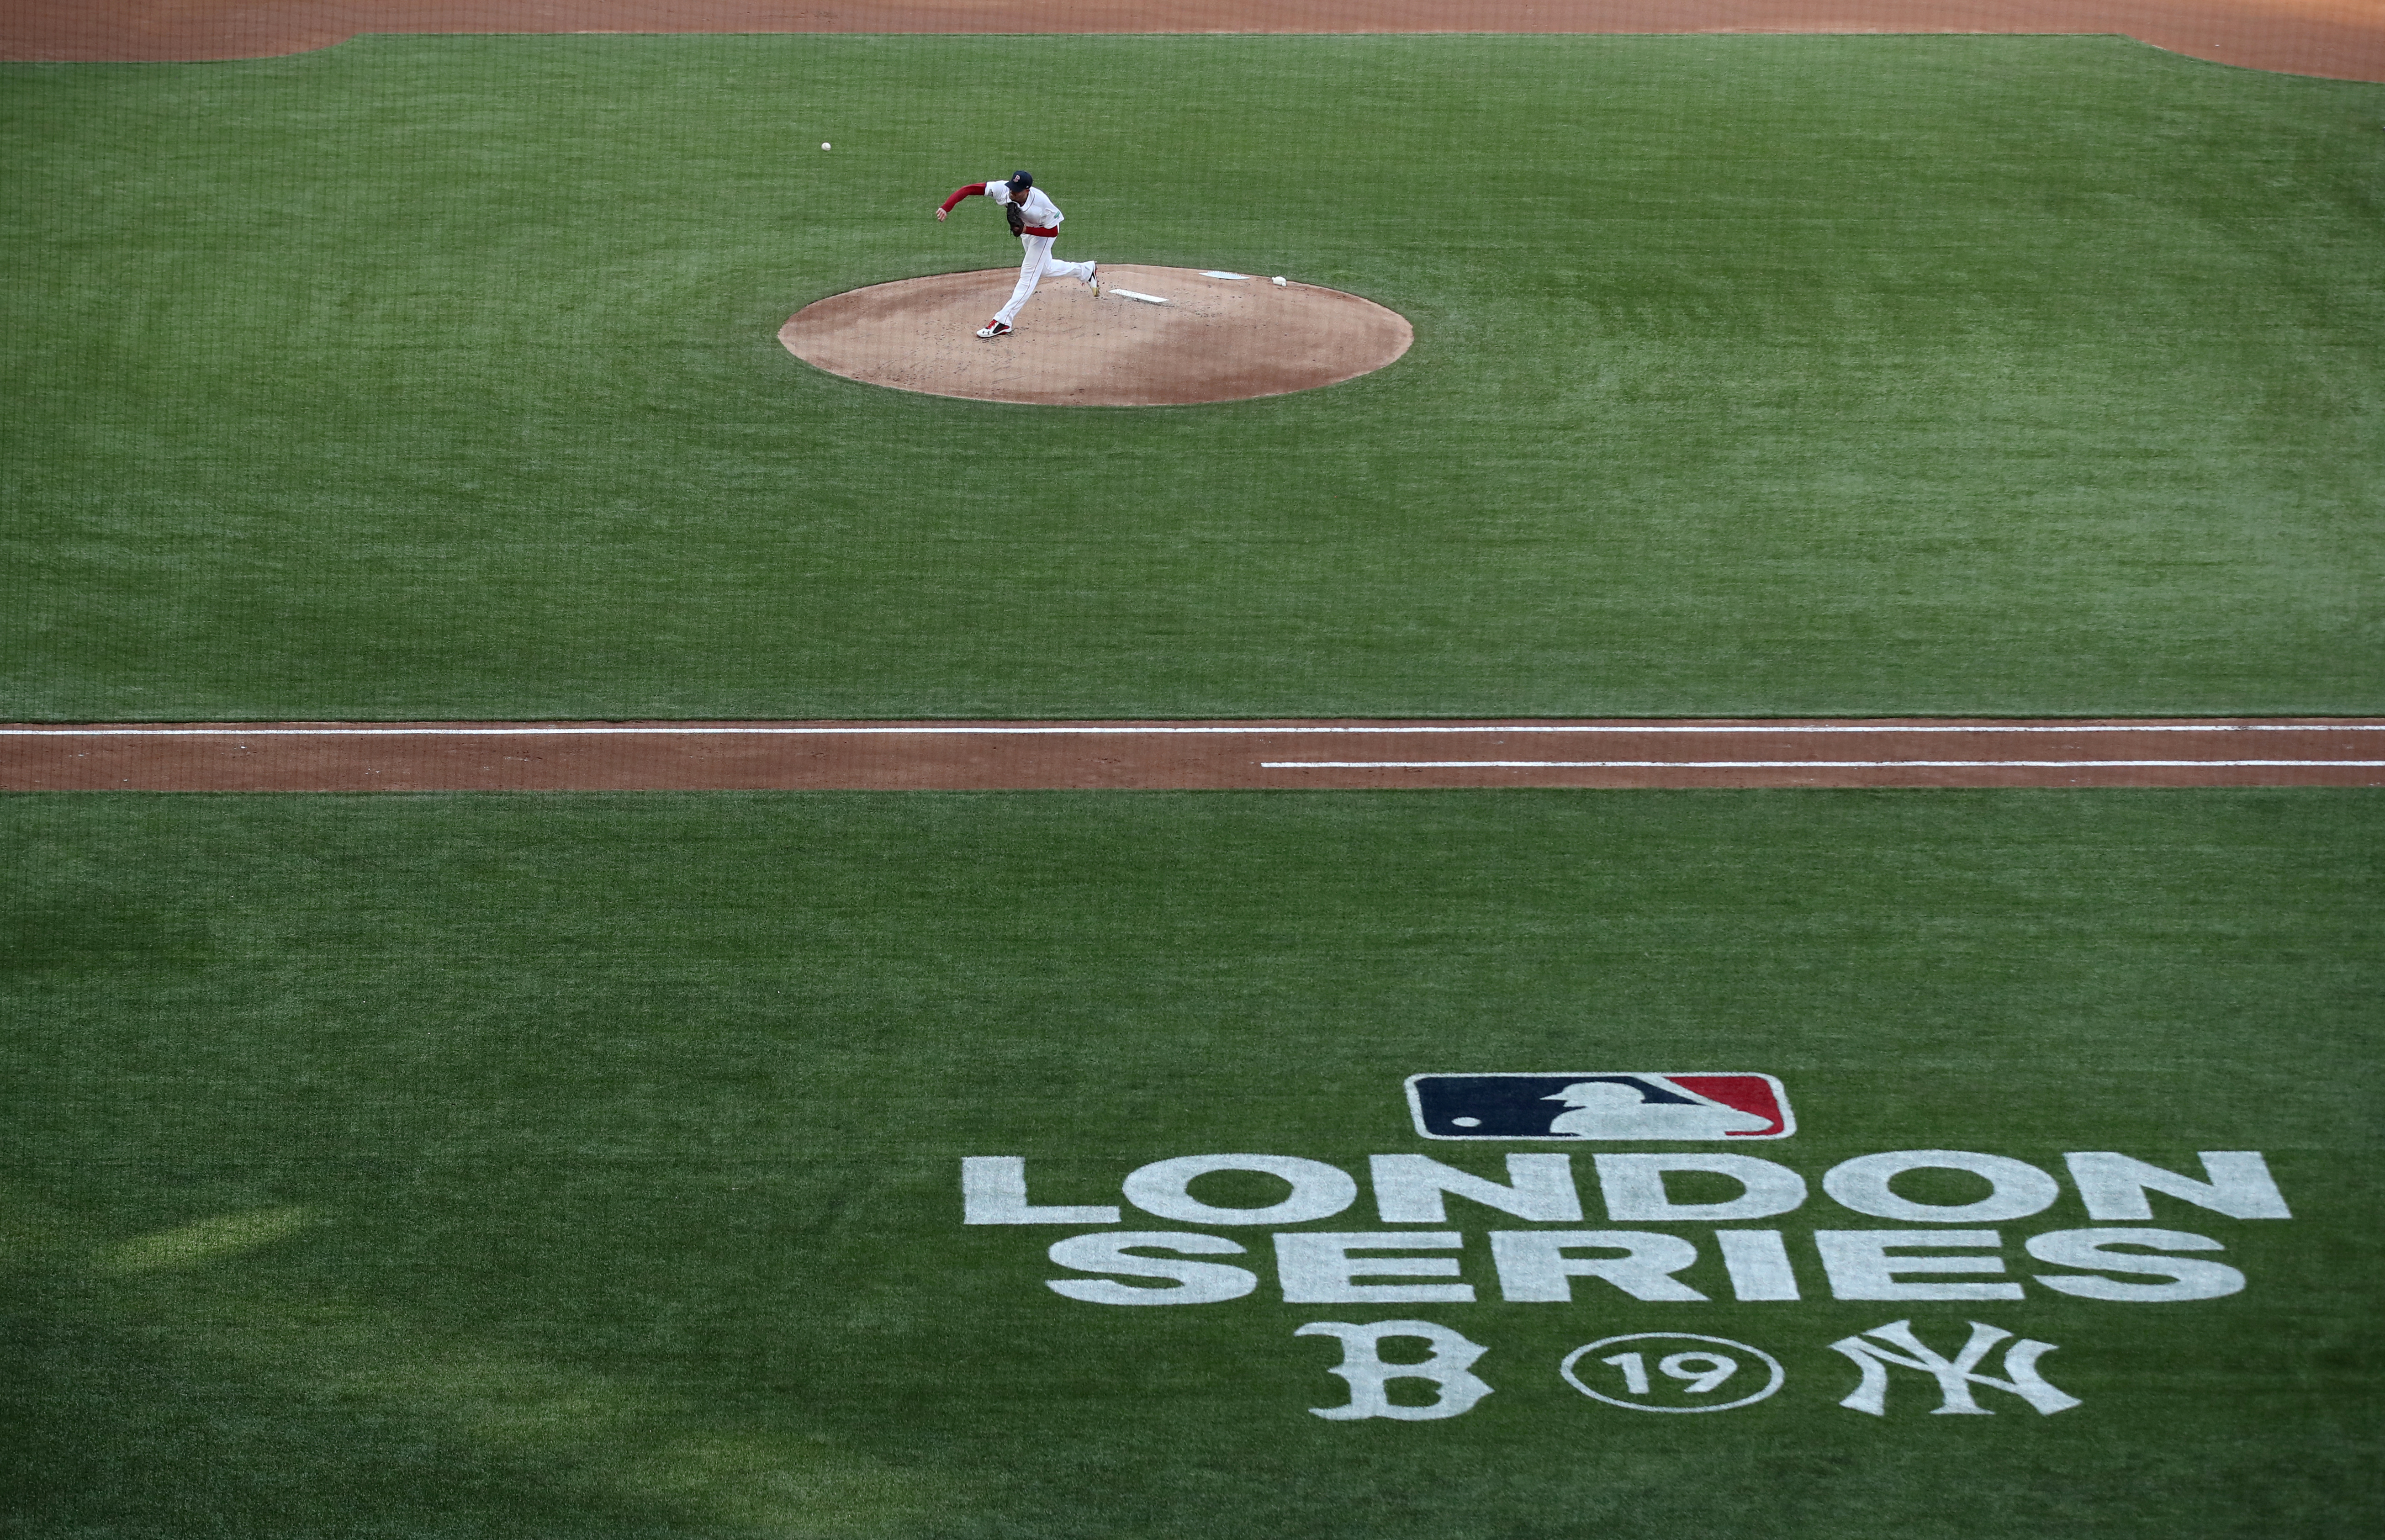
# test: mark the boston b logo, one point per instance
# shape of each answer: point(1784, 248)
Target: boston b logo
point(1600, 1104)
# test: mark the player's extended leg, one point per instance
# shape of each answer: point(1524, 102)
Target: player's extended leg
point(1031, 272)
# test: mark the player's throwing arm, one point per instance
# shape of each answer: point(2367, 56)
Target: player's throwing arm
point(1035, 220)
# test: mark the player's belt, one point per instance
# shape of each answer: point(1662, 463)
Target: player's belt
point(1031, 230)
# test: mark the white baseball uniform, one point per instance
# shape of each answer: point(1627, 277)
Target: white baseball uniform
point(1042, 217)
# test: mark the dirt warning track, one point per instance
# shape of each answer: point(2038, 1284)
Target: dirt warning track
point(1186, 756)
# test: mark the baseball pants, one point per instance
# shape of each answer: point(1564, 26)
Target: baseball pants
point(1031, 268)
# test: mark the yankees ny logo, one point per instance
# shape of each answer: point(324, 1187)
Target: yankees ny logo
point(1955, 1376)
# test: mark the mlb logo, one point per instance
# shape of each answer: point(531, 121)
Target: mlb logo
point(1600, 1104)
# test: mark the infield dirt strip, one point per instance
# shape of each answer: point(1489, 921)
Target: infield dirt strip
point(1154, 756)
point(2344, 39)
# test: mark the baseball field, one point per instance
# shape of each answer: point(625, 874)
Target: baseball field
point(1004, 1165)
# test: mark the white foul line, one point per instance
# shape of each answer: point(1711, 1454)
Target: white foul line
point(1807, 764)
point(1069, 729)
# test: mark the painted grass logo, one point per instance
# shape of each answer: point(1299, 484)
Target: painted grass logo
point(1955, 1376)
point(1686, 1378)
point(1707, 1229)
point(1639, 1105)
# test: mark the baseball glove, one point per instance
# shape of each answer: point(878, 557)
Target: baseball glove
point(1017, 220)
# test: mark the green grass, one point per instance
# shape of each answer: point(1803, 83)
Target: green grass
point(584, 1167)
point(427, 378)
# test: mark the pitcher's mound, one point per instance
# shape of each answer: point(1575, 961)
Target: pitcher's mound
point(1216, 339)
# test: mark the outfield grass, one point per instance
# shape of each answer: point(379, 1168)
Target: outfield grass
point(433, 378)
point(587, 1166)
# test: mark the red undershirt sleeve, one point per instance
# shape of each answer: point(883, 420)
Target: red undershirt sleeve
point(973, 190)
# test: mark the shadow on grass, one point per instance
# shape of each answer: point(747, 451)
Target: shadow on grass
point(186, 1402)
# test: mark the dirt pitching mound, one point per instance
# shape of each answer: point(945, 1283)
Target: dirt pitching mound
point(1216, 339)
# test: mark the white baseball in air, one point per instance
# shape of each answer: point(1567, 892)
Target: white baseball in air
point(823, 143)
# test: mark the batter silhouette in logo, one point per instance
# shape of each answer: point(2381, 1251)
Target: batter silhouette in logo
point(1618, 1110)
